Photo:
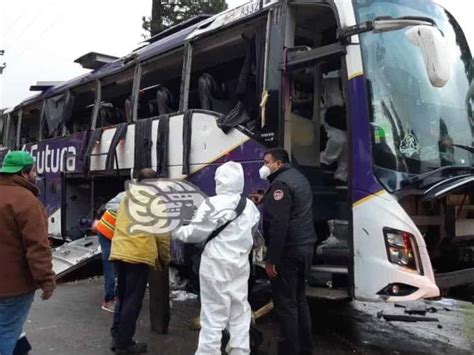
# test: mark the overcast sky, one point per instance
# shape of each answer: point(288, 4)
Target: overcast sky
point(42, 38)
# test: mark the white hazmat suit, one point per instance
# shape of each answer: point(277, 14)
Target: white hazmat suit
point(224, 269)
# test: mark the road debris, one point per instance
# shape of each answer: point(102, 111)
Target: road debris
point(180, 295)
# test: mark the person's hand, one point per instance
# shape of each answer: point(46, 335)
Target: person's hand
point(256, 198)
point(94, 225)
point(48, 289)
point(271, 270)
point(47, 293)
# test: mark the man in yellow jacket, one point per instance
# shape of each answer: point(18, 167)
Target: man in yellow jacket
point(133, 255)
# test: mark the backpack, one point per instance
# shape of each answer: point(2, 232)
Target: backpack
point(196, 258)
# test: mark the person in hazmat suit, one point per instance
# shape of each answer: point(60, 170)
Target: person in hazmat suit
point(224, 269)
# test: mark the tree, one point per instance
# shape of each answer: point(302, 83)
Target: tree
point(167, 13)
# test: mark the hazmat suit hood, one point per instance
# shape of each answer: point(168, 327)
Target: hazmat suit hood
point(229, 179)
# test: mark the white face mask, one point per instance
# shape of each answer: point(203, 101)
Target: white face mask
point(264, 172)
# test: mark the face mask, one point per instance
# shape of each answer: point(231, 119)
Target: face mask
point(264, 172)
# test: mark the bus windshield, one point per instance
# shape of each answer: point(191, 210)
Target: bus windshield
point(415, 125)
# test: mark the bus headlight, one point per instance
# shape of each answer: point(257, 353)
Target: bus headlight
point(401, 248)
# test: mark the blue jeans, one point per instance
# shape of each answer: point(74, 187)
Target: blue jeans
point(108, 267)
point(13, 313)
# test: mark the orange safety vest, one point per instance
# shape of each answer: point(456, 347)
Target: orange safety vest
point(106, 225)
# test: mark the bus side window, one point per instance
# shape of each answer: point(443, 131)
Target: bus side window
point(3, 125)
point(160, 85)
point(30, 125)
point(157, 101)
point(12, 131)
point(214, 95)
point(110, 115)
point(227, 74)
point(56, 111)
point(312, 26)
point(84, 100)
point(115, 92)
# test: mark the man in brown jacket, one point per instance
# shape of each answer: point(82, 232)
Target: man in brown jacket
point(25, 255)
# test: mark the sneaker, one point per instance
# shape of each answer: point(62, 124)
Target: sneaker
point(135, 348)
point(109, 306)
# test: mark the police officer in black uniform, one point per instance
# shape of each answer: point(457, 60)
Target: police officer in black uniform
point(290, 235)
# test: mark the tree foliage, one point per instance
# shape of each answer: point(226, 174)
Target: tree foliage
point(167, 13)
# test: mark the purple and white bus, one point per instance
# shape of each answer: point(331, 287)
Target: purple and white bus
point(391, 80)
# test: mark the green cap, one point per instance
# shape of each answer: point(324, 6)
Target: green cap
point(16, 161)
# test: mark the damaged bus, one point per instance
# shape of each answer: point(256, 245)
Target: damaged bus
point(393, 201)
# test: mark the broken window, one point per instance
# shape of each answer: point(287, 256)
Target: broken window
point(160, 85)
point(3, 126)
point(227, 74)
point(82, 108)
point(311, 26)
point(116, 106)
point(12, 130)
point(30, 123)
point(318, 132)
point(56, 111)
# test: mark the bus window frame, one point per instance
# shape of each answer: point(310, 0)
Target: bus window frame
point(152, 64)
point(7, 130)
point(97, 104)
point(186, 77)
point(227, 35)
point(39, 136)
point(12, 137)
point(274, 75)
point(43, 121)
point(18, 128)
point(3, 119)
point(137, 79)
point(76, 92)
point(132, 73)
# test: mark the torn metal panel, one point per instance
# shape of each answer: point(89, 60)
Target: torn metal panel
point(404, 318)
point(73, 255)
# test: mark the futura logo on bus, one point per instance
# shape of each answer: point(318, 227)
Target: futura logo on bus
point(53, 160)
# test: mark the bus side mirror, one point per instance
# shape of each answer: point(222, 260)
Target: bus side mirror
point(433, 46)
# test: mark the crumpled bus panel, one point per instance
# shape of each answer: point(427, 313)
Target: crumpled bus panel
point(73, 255)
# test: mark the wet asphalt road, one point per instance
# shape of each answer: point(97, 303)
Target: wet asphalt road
point(73, 323)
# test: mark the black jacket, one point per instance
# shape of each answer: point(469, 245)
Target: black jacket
point(287, 213)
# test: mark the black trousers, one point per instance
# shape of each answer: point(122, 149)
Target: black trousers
point(159, 300)
point(131, 285)
point(290, 301)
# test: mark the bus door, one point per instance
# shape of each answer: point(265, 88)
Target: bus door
point(315, 135)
